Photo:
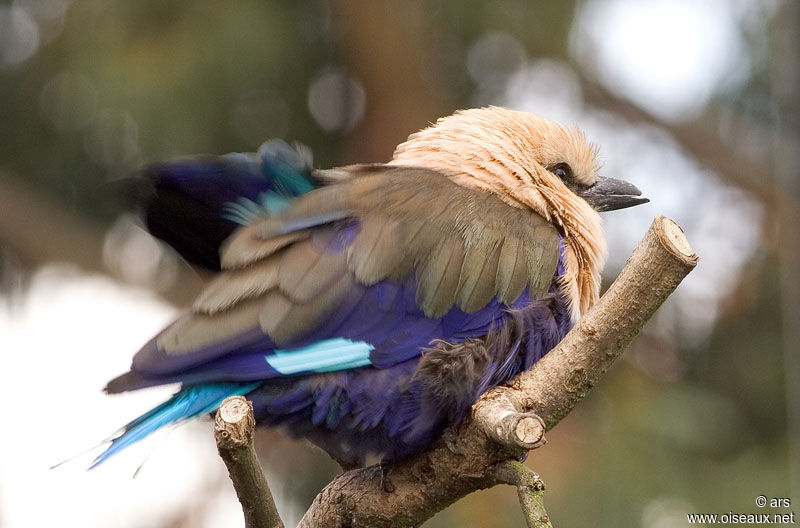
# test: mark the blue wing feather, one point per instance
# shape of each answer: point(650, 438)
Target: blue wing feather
point(364, 332)
point(377, 346)
point(323, 356)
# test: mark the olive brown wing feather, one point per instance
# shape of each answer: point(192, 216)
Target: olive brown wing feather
point(286, 276)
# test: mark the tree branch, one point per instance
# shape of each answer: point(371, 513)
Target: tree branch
point(233, 431)
point(530, 490)
point(466, 457)
point(563, 377)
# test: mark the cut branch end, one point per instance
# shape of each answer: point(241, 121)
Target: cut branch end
point(233, 429)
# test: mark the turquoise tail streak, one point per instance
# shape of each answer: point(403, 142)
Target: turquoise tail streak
point(186, 404)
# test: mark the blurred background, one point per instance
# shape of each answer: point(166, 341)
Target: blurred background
point(697, 103)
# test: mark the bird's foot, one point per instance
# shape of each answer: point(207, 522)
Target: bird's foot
point(386, 482)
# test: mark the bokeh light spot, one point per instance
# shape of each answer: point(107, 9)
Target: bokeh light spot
point(336, 101)
point(670, 56)
point(19, 36)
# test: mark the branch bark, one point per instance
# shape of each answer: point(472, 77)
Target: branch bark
point(468, 456)
point(530, 490)
point(233, 431)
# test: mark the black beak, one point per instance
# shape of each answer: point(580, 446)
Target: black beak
point(608, 194)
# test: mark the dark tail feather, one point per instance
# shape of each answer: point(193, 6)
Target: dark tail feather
point(194, 204)
point(132, 380)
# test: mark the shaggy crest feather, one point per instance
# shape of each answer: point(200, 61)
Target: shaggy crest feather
point(508, 152)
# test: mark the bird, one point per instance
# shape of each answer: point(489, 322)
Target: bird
point(367, 307)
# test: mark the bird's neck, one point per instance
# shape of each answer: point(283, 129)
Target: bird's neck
point(584, 257)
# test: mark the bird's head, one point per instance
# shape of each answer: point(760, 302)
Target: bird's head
point(530, 162)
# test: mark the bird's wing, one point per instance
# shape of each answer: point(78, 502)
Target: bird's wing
point(366, 271)
point(195, 203)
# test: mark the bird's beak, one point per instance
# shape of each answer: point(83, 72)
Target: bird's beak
point(608, 194)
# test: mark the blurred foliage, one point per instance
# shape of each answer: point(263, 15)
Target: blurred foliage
point(131, 82)
point(114, 84)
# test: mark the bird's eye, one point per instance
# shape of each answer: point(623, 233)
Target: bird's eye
point(562, 170)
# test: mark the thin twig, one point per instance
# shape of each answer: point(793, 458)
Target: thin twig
point(233, 431)
point(530, 490)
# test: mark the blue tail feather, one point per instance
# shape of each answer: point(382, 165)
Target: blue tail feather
point(186, 404)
